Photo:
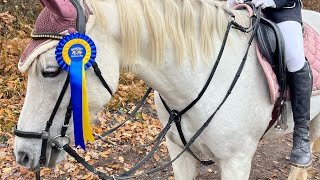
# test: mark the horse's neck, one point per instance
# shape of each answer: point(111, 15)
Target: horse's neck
point(178, 84)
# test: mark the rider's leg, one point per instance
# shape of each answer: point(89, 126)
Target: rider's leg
point(300, 84)
point(293, 39)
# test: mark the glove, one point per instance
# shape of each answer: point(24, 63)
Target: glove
point(231, 3)
point(264, 3)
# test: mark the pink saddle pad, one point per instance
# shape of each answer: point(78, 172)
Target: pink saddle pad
point(312, 53)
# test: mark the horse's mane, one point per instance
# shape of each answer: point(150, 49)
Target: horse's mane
point(173, 21)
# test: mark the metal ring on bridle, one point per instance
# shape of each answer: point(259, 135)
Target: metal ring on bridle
point(54, 143)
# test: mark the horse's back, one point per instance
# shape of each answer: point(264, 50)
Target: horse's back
point(312, 18)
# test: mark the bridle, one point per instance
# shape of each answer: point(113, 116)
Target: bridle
point(175, 116)
point(45, 133)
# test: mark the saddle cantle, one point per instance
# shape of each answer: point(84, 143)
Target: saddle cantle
point(270, 52)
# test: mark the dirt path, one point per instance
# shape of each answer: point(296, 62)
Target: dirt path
point(269, 163)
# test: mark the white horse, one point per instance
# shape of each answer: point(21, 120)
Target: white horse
point(171, 45)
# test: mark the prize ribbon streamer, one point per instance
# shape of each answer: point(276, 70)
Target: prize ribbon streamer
point(75, 53)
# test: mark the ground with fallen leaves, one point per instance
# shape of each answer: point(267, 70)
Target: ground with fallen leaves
point(123, 149)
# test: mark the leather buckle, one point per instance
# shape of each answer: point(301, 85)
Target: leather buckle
point(45, 134)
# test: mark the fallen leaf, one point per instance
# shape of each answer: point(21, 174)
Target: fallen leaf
point(156, 157)
point(87, 157)
point(104, 154)
point(121, 159)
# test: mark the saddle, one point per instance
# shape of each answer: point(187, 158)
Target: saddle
point(270, 52)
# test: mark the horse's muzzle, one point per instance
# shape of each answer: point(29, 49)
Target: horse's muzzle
point(26, 160)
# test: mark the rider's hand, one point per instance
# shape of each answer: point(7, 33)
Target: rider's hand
point(231, 3)
point(264, 3)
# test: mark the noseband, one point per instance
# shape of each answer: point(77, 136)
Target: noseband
point(45, 133)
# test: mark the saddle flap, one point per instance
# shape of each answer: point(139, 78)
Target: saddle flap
point(266, 41)
point(271, 44)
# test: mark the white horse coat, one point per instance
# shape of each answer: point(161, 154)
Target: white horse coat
point(183, 57)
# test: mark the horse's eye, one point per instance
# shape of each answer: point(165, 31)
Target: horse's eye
point(51, 72)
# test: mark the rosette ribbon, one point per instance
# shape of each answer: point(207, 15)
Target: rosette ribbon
point(75, 53)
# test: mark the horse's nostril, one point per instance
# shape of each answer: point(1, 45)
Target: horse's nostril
point(24, 159)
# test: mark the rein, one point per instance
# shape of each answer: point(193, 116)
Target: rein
point(175, 116)
point(138, 106)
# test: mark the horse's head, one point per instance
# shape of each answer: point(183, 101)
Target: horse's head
point(46, 81)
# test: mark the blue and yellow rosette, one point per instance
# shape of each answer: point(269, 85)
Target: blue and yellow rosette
point(75, 53)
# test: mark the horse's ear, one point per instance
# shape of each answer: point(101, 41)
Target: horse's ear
point(62, 8)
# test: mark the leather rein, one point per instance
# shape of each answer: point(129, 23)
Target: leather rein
point(175, 116)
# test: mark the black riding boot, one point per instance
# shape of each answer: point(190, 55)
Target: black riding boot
point(300, 84)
